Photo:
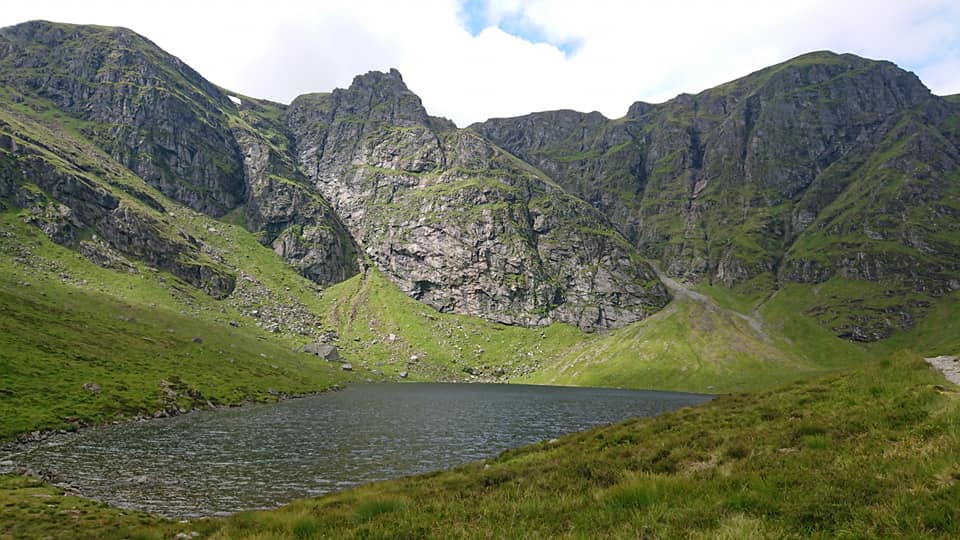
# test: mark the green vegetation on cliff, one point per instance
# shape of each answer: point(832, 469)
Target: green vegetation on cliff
point(824, 166)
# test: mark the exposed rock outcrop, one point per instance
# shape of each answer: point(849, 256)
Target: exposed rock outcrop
point(144, 107)
point(295, 220)
point(66, 203)
point(825, 166)
point(457, 222)
point(826, 170)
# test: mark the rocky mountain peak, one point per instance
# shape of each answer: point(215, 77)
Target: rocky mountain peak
point(144, 107)
point(825, 167)
point(379, 96)
point(459, 224)
point(772, 178)
point(638, 109)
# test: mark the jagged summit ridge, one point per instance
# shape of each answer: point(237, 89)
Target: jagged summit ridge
point(789, 174)
point(455, 221)
point(830, 170)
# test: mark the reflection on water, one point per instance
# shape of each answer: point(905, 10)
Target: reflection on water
point(263, 456)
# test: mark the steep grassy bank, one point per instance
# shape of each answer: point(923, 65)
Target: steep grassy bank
point(711, 340)
point(80, 344)
point(386, 330)
point(870, 451)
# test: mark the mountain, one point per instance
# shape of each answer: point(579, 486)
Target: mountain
point(167, 244)
point(832, 172)
point(456, 222)
point(825, 168)
point(105, 125)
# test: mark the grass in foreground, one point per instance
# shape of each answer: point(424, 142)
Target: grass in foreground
point(870, 451)
point(30, 509)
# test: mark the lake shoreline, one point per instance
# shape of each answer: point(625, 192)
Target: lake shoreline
point(257, 456)
point(29, 439)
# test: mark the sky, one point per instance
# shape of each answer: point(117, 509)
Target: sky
point(470, 60)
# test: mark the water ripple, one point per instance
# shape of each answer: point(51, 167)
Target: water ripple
point(261, 456)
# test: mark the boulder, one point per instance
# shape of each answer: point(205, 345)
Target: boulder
point(330, 353)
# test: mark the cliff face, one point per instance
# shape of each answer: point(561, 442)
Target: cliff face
point(145, 108)
point(828, 170)
point(282, 206)
point(457, 222)
point(826, 166)
point(180, 134)
point(82, 199)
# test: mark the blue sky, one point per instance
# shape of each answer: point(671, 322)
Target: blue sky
point(474, 59)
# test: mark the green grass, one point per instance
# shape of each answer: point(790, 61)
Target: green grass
point(367, 310)
point(703, 346)
point(938, 333)
point(148, 340)
point(30, 509)
point(867, 451)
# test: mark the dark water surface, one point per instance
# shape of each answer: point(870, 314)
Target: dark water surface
point(262, 456)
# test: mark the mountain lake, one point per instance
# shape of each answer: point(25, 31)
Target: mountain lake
point(227, 460)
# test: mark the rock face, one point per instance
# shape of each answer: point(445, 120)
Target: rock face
point(826, 166)
point(458, 223)
point(291, 216)
point(828, 170)
point(64, 201)
point(144, 107)
point(330, 353)
point(179, 133)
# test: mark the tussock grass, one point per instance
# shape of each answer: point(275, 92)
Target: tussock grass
point(868, 451)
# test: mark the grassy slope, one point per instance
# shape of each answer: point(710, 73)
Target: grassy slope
point(705, 343)
point(936, 334)
point(65, 322)
point(871, 451)
point(30, 509)
point(366, 310)
point(696, 344)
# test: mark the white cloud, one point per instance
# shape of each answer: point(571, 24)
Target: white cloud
point(627, 50)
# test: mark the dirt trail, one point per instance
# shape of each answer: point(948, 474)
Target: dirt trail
point(678, 289)
point(948, 365)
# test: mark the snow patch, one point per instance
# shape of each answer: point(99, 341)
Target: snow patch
point(235, 100)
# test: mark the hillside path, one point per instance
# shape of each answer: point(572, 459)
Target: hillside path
point(948, 365)
point(677, 288)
